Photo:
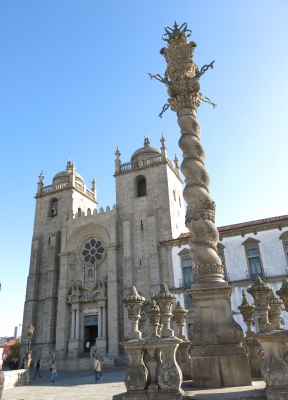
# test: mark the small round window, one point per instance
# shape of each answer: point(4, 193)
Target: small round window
point(93, 252)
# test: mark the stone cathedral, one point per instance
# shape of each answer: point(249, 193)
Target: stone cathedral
point(84, 260)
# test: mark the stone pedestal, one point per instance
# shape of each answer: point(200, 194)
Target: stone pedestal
point(101, 346)
point(254, 357)
point(218, 358)
point(183, 360)
point(73, 348)
point(220, 366)
point(275, 363)
point(136, 373)
point(169, 372)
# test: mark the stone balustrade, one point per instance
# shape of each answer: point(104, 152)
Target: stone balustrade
point(153, 371)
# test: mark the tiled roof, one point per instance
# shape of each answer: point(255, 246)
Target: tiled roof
point(242, 225)
point(7, 344)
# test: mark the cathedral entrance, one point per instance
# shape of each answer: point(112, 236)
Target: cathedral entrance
point(90, 330)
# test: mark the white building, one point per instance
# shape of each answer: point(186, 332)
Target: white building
point(248, 249)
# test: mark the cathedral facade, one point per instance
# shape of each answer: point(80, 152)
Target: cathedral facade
point(84, 260)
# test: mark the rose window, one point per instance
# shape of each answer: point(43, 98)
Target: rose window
point(93, 252)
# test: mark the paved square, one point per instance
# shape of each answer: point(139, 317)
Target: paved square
point(71, 385)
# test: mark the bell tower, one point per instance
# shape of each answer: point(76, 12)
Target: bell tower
point(150, 209)
point(55, 204)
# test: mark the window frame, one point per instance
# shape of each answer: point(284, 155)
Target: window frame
point(185, 255)
point(251, 244)
point(284, 239)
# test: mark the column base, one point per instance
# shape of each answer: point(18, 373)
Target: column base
point(220, 366)
point(101, 346)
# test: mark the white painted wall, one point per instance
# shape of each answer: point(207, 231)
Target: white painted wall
point(273, 259)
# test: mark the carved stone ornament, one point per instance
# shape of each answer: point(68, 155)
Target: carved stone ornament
point(165, 299)
point(169, 372)
point(261, 293)
point(153, 312)
point(275, 363)
point(133, 303)
point(274, 313)
point(179, 314)
point(283, 293)
point(247, 310)
point(202, 209)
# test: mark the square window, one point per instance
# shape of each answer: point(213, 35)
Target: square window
point(188, 276)
point(252, 252)
point(188, 302)
point(255, 267)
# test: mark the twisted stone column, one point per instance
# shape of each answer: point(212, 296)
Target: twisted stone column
point(215, 333)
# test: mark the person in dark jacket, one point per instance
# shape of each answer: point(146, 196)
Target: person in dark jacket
point(37, 370)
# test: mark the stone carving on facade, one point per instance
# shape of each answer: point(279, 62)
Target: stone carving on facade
point(214, 323)
point(74, 293)
point(283, 293)
point(261, 293)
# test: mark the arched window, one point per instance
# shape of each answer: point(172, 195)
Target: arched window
point(53, 207)
point(79, 212)
point(141, 186)
point(89, 211)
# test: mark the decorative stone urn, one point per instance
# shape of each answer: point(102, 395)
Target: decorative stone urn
point(153, 312)
point(133, 303)
point(179, 314)
point(274, 313)
point(165, 300)
point(250, 342)
point(283, 293)
point(247, 310)
point(261, 293)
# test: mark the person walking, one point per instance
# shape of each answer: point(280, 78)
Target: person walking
point(53, 370)
point(97, 370)
point(37, 369)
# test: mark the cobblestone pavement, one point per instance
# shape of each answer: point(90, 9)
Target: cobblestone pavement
point(71, 385)
point(80, 385)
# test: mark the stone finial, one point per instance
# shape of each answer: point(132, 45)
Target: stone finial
point(117, 153)
point(163, 148)
point(283, 293)
point(40, 183)
point(94, 185)
point(176, 162)
point(177, 32)
point(247, 310)
point(146, 142)
point(165, 299)
point(117, 160)
point(164, 293)
point(163, 141)
point(274, 314)
point(261, 293)
point(133, 302)
point(179, 314)
point(153, 312)
point(41, 176)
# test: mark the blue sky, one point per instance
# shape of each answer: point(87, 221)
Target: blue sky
point(74, 80)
